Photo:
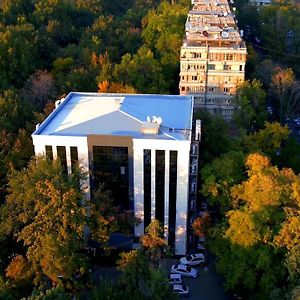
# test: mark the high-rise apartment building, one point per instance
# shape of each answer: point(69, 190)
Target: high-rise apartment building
point(213, 57)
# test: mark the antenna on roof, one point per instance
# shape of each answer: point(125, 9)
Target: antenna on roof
point(224, 34)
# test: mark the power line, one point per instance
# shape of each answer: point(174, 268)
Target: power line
point(275, 51)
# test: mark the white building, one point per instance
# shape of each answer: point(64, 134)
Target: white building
point(137, 145)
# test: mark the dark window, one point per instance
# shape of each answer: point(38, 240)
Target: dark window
point(241, 67)
point(172, 196)
point(61, 154)
point(110, 170)
point(74, 157)
point(49, 152)
point(211, 67)
point(160, 185)
point(147, 187)
point(227, 67)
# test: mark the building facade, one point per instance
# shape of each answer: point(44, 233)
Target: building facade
point(138, 146)
point(213, 57)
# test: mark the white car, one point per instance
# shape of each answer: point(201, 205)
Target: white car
point(181, 289)
point(193, 259)
point(200, 247)
point(174, 279)
point(184, 270)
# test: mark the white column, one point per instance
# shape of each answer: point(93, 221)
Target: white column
point(138, 183)
point(153, 162)
point(182, 199)
point(68, 157)
point(166, 206)
point(54, 149)
point(39, 149)
point(84, 166)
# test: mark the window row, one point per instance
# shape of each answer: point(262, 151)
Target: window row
point(218, 101)
point(225, 67)
point(212, 79)
point(215, 56)
point(62, 155)
point(201, 89)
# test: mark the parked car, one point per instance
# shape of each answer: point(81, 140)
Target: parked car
point(193, 259)
point(184, 270)
point(181, 289)
point(201, 239)
point(174, 279)
point(200, 247)
point(296, 120)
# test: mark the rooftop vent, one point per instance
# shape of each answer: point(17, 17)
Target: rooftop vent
point(151, 126)
point(58, 102)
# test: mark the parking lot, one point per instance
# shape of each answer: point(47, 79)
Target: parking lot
point(207, 286)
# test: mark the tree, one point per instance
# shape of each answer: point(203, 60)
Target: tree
point(142, 71)
point(268, 140)
point(214, 135)
point(201, 224)
point(163, 29)
point(153, 242)
point(248, 242)
point(283, 82)
point(140, 273)
point(250, 99)
point(44, 211)
point(18, 53)
point(113, 87)
point(40, 89)
point(106, 218)
point(220, 176)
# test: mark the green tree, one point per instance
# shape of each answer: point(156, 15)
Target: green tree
point(18, 53)
point(141, 71)
point(44, 211)
point(215, 138)
point(250, 99)
point(163, 29)
point(268, 140)
point(247, 242)
point(220, 176)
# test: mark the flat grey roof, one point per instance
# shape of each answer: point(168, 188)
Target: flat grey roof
point(81, 114)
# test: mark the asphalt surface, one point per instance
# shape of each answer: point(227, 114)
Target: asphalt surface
point(207, 286)
point(294, 131)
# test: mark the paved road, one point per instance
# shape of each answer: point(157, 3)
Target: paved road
point(294, 131)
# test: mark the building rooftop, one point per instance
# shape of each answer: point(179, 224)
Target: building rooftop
point(211, 22)
point(82, 114)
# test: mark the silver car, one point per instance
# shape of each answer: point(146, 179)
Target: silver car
point(181, 289)
point(184, 270)
point(193, 259)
